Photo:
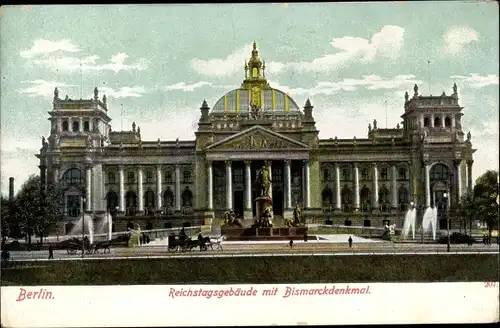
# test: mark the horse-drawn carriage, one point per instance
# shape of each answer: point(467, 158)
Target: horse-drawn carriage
point(184, 243)
point(75, 245)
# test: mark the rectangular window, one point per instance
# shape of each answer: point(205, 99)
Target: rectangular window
point(238, 175)
point(149, 177)
point(383, 173)
point(111, 177)
point(186, 177)
point(346, 175)
point(277, 175)
point(402, 173)
point(130, 177)
point(167, 177)
point(364, 174)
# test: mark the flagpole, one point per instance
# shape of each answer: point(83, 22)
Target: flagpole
point(429, 73)
point(122, 115)
point(385, 102)
point(81, 80)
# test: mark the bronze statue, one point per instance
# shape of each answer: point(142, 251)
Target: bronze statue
point(264, 181)
point(265, 218)
point(297, 214)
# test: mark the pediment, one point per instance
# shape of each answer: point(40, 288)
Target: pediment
point(257, 138)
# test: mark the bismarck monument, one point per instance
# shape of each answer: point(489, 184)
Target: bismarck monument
point(262, 224)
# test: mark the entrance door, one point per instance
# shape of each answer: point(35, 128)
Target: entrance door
point(238, 202)
point(277, 201)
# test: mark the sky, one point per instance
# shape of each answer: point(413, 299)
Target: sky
point(353, 60)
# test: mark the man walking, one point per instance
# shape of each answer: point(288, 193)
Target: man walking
point(51, 252)
point(350, 242)
point(291, 243)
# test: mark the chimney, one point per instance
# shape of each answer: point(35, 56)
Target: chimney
point(11, 189)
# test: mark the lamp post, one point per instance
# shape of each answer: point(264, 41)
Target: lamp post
point(445, 196)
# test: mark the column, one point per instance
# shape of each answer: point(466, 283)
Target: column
point(356, 186)
point(248, 186)
point(421, 120)
point(452, 121)
point(88, 186)
point(375, 186)
point(394, 186)
point(338, 192)
point(432, 120)
point(442, 120)
point(458, 179)
point(122, 190)
point(81, 124)
point(59, 128)
point(158, 187)
point(288, 184)
point(140, 193)
point(91, 127)
point(270, 169)
point(55, 171)
point(210, 186)
point(177, 188)
point(427, 186)
point(308, 184)
point(229, 185)
point(469, 176)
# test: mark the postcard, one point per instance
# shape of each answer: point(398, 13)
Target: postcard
point(249, 164)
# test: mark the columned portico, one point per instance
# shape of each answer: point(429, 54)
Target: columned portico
point(140, 193)
point(121, 200)
point(394, 187)
point(247, 211)
point(375, 186)
point(356, 186)
point(229, 185)
point(177, 188)
point(338, 201)
point(307, 184)
point(210, 178)
point(158, 187)
point(458, 174)
point(288, 184)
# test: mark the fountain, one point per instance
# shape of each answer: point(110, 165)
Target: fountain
point(409, 222)
point(88, 227)
point(429, 222)
point(105, 225)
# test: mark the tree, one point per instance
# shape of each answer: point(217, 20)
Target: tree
point(38, 208)
point(10, 222)
point(468, 210)
point(486, 199)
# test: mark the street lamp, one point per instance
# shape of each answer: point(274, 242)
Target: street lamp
point(445, 196)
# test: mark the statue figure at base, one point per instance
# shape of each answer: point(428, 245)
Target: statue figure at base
point(230, 219)
point(265, 219)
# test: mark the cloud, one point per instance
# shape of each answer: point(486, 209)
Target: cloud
point(42, 88)
point(46, 47)
point(228, 66)
point(187, 87)
point(370, 82)
point(386, 43)
point(457, 37)
point(477, 81)
point(123, 92)
point(51, 54)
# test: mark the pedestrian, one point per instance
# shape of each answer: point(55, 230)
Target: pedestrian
point(305, 236)
point(350, 242)
point(291, 243)
point(51, 252)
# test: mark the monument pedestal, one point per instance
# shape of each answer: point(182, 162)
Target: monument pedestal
point(261, 203)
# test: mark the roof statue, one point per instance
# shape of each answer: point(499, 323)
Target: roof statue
point(369, 127)
point(397, 126)
point(374, 124)
point(406, 96)
point(104, 99)
point(468, 136)
point(56, 94)
point(415, 90)
point(455, 91)
point(133, 126)
point(96, 93)
point(138, 130)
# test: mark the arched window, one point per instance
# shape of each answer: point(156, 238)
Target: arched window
point(402, 195)
point(76, 126)
point(365, 195)
point(439, 172)
point(346, 198)
point(73, 176)
point(427, 122)
point(65, 126)
point(447, 122)
point(130, 202)
point(187, 198)
point(86, 126)
point(168, 198)
point(327, 196)
point(437, 122)
point(383, 195)
point(149, 198)
point(111, 201)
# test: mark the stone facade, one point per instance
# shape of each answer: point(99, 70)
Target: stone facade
point(426, 160)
